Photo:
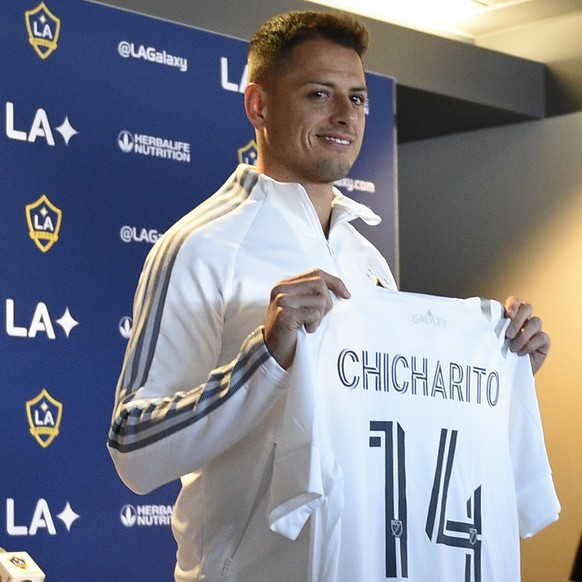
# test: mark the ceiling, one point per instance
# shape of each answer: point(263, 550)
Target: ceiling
point(503, 15)
point(496, 24)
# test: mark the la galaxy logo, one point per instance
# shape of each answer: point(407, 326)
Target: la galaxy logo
point(248, 153)
point(44, 418)
point(44, 222)
point(44, 29)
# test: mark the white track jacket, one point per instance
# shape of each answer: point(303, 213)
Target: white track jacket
point(199, 397)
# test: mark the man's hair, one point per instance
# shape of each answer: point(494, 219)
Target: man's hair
point(273, 42)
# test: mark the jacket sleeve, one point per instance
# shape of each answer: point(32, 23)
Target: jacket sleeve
point(176, 409)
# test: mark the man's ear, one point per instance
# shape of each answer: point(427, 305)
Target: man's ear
point(256, 105)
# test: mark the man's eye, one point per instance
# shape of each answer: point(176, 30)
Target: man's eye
point(319, 94)
point(359, 99)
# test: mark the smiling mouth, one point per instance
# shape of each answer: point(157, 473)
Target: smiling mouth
point(338, 140)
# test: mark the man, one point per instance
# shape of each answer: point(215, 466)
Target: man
point(203, 383)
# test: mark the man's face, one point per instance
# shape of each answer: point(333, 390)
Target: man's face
point(314, 115)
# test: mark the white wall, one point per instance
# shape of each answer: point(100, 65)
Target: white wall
point(499, 212)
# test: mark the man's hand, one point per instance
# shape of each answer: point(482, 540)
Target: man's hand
point(298, 301)
point(525, 332)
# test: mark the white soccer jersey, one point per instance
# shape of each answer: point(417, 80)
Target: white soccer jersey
point(412, 437)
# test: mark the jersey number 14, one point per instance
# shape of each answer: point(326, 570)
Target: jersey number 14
point(465, 535)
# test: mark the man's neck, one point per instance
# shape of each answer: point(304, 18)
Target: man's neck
point(321, 196)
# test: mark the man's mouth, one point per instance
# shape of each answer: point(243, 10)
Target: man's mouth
point(334, 139)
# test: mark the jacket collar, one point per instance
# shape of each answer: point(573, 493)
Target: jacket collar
point(344, 209)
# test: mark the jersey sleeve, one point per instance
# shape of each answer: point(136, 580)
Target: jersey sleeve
point(307, 482)
point(176, 408)
point(305, 472)
point(537, 502)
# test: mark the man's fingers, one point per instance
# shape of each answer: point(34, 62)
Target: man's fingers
point(302, 300)
point(519, 313)
point(306, 308)
point(526, 333)
point(315, 281)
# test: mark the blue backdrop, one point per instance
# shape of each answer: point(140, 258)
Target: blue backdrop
point(115, 125)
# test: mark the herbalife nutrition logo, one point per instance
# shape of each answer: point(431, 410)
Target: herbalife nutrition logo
point(157, 147)
point(146, 515)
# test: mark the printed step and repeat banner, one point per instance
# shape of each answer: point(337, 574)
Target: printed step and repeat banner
point(114, 126)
